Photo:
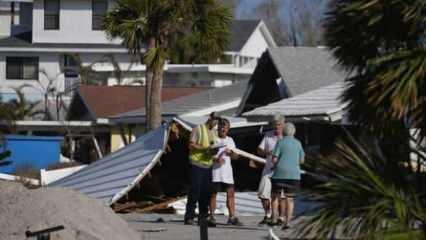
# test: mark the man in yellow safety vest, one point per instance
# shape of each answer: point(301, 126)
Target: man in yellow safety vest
point(201, 158)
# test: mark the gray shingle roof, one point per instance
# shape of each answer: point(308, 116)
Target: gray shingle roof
point(109, 178)
point(305, 68)
point(241, 30)
point(198, 101)
point(321, 102)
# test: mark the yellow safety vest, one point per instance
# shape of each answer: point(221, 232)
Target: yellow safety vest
point(202, 158)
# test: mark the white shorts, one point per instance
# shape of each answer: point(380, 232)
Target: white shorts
point(264, 191)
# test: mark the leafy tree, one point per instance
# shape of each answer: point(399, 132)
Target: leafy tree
point(370, 193)
point(292, 23)
point(22, 109)
point(155, 25)
point(6, 125)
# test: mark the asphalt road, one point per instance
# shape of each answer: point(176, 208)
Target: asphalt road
point(171, 227)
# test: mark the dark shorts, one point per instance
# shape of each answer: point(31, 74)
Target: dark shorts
point(285, 187)
point(221, 187)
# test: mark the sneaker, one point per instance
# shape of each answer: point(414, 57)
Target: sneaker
point(211, 222)
point(265, 220)
point(234, 221)
point(285, 227)
point(276, 222)
point(188, 221)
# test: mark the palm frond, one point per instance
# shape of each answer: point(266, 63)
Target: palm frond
point(381, 43)
point(359, 30)
point(155, 57)
point(212, 31)
point(365, 195)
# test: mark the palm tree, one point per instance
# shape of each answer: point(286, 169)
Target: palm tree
point(382, 44)
point(155, 25)
point(370, 193)
point(364, 194)
point(22, 109)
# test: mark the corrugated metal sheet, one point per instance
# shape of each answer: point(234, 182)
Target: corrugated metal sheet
point(246, 204)
point(323, 101)
point(109, 178)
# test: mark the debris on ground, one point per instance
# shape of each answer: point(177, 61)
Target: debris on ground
point(160, 207)
point(83, 218)
point(154, 230)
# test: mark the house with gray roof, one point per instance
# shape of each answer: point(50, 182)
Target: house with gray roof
point(285, 72)
point(321, 105)
point(41, 39)
point(224, 100)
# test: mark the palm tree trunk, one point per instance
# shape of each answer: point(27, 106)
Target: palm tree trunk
point(155, 108)
point(148, 86)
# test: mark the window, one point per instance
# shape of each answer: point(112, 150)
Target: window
point(51, 14)
point(99, 9)
point(70, 65)
point(70, 61)
point(25, 68)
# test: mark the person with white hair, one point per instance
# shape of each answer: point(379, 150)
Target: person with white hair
point(265, 149)
point(288, 154)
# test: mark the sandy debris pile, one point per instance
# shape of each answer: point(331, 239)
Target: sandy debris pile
point(83, 218)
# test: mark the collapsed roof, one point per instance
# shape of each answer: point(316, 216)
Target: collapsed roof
point(112, 177)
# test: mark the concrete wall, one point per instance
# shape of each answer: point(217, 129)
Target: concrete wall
point(75, 22)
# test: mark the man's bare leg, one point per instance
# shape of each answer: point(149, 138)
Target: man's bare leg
point(274, 206)
point(212, 204)
point(266, 207)
point(283, 210)
point(289, 209)
point(266, 204)
point(230, 201)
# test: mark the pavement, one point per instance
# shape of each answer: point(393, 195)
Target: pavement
point(171, 227)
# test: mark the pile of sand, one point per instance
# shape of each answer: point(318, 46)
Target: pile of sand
point(84, 218)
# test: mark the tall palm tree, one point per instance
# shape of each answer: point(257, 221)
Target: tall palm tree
point(369, 193)
point(155, 25)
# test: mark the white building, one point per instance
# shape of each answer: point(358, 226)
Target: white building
point(248, 40)
point(38, 36)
